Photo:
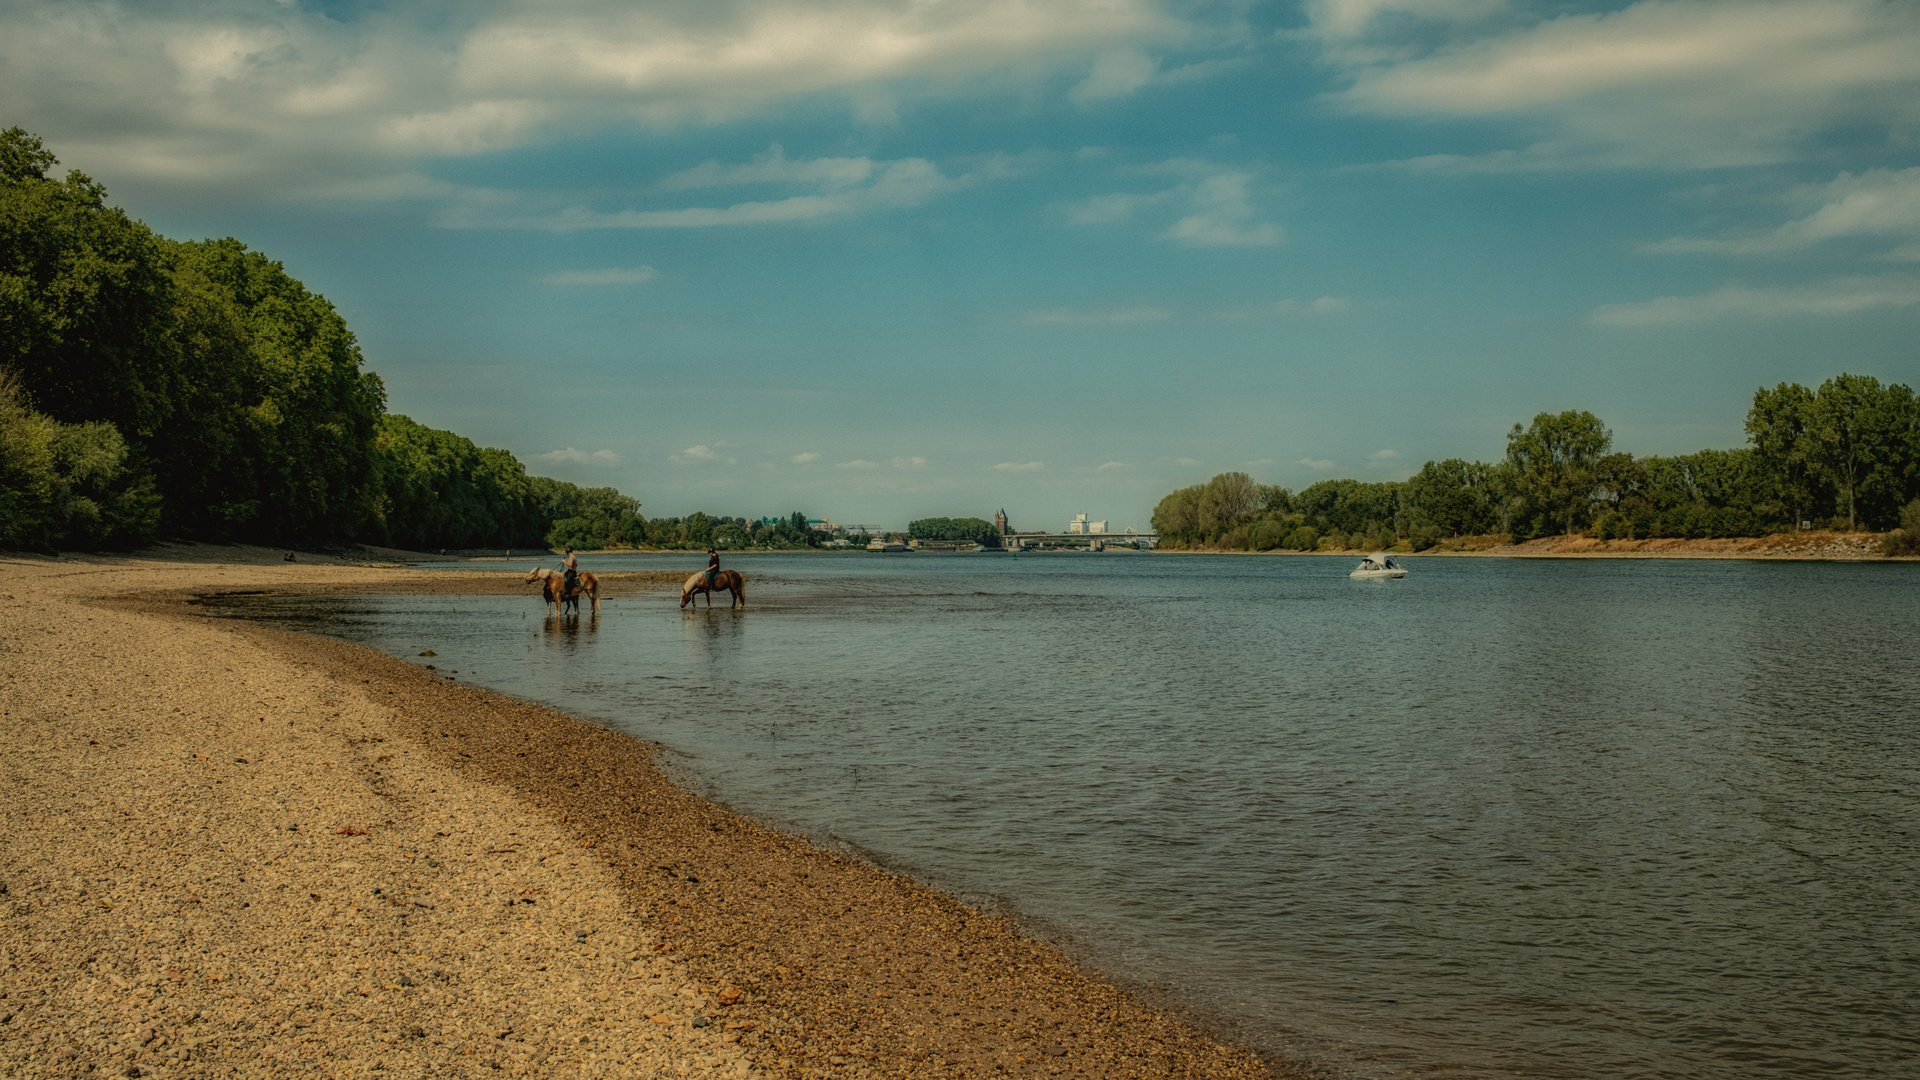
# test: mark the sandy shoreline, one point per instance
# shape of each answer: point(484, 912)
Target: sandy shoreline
point(233, 851)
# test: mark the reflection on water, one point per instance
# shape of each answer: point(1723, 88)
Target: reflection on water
point(563, 632)
point(1570, 819)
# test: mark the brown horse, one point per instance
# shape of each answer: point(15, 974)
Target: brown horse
point(553, 586)
point(725, 581)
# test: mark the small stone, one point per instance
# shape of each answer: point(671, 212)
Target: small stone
point(699, 1021)
point(662, 1019)
point(406, 980)
point(1055, 1051)
point(429, 652)
point(239, 761)
point(730, 996)
point(579, 935)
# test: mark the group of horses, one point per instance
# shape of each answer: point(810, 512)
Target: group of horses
point(560, 599)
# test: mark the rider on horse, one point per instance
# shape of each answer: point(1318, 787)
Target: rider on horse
point(713, 565)
point(572, 579)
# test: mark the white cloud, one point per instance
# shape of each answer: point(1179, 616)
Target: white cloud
point(911, 463)
point(1223, 216)
point(1111, 465)
point(897, 185)
point(700, 455)
point(807, 458)
point(579, 457)
point(1325, 305)
point(1219, 206)
point(1187, 462)
point(1016, 466)
point(282, 100)
point(1383, 455)
point(773, 167)
point(1840, 296)
point(1351, 18)
point(638, 275)
point(1103, 317)
point(1111, 209)
point(1876, 203)
point(1676, 83)
point(1320, 465)
point(1115, 74)
point(858, 463)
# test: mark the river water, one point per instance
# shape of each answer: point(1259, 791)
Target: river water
point(1542, 818)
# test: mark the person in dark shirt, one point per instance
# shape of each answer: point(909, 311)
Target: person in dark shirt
point(713, 565)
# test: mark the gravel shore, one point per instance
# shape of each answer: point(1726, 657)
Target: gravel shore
point(231, 850)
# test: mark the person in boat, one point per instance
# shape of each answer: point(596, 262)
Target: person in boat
point(713, 565)
point(570, 578)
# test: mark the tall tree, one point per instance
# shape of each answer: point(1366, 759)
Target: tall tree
point(86, 300)
point(1228, 499)
point(1860, 436)
point(1777, 428)
point(1554, 461)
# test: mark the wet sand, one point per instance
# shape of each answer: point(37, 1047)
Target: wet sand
point(234, 850)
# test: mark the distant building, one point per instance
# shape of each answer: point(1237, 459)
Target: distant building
point(1000, 523)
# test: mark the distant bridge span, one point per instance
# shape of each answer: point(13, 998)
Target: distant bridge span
point(1129, 538)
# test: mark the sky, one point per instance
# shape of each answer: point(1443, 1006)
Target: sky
point(884, 259)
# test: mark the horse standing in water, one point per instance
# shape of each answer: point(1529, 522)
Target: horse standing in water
point(728, 581)
point(553, 585)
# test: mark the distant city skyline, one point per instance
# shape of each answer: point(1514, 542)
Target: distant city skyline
point(879, 260)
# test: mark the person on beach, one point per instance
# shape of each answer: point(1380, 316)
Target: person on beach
point(571, 581)
point(713, 565)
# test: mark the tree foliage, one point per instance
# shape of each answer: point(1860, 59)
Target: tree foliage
point(151, 387)
point(946, 528)
point(1851, 447)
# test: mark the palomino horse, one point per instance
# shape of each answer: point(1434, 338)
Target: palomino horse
point(724, 581)
point(553, 586)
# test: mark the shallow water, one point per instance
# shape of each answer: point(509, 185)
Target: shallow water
point(1575, 819)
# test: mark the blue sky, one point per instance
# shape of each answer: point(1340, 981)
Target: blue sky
point(881, 260)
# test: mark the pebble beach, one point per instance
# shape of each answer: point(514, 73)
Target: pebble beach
point(231, 850)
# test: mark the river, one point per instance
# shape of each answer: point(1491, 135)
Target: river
point(1504, 817)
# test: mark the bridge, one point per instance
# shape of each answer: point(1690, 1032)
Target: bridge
point(1127, 538)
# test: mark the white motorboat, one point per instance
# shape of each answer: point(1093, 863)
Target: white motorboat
point(1378, 565)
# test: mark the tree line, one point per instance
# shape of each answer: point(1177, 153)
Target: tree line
point(1845, 455)
point(980, 531)
point(152, 387)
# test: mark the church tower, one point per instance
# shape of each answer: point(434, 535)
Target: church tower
point(1000, 522)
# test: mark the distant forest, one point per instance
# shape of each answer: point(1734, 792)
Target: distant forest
point(1843, 456)
point(155, 388)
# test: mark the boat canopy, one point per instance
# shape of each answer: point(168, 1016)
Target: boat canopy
point(1380, 557)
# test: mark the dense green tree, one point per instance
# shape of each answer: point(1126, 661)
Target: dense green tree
point(1777, 428)
point(946, 528)
point(1861, 437)
point(439, 490)
point(1177, 518)
point(1455, 497)
point(278, 439)
point(67, 485)
point(1349, 506)
point(1554, 462)
point(1226, 501)
point(86, 298)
